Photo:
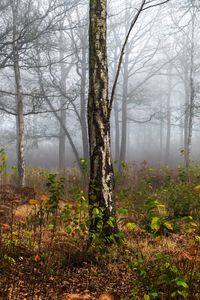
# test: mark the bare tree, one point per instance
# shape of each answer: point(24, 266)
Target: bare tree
point(19, 97)
point(187, 68)
point(30, 24)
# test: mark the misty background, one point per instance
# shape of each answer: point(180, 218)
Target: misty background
point(156, 108)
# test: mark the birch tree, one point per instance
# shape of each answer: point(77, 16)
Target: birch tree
point(101, 186)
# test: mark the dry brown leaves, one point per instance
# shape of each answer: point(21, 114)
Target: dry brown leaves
point(86, 296)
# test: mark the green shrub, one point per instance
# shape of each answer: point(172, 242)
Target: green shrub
point(160, 278)
point(180, 199)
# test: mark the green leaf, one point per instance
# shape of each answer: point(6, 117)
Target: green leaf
point(111, 222)
point(147, 297)
point(197, 238)
point(50, 226)
point(69, 230)
point(143, 273)
point(193, 224)
point(168, 226)
point(122, 211)
point(173, 295)
point(182, 293)
point(131, 226)
point(154, 294)
point(189, 230)
point(182, 283)
point(134, 264)
point(96, 211)
point(155, 223)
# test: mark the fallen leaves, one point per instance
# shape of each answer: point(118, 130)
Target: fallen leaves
point(87, 296)
point(80, 296)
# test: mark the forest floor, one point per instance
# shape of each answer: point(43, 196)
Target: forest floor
point(45, 256)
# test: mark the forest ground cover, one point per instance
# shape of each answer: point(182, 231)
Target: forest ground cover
point(44, 251)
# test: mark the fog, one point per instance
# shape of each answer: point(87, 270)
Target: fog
point(155, 115)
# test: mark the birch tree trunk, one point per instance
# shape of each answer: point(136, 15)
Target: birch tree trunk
point(101, 185)
point(19, 102)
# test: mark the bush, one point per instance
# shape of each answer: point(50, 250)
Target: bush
point(181, 199)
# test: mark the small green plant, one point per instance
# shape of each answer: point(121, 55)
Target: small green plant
point(160, 277)
point(181, 199)
point(75, 216)
point(3, 164)
point(97, 237)
point(84, 166)
point(156, 217)
point(56, 190)
point(9, 259)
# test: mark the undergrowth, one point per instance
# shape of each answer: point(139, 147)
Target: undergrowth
point(158, 212)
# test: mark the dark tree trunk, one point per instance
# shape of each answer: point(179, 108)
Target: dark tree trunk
point(101, 186)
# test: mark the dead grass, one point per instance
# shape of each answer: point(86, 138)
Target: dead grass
point(41, 262)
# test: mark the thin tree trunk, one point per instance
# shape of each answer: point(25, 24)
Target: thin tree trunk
point(124, 114)
point(40, 78)
point(161, 132)
point(191, 96)
point(169, 92)
point(117, 136)
point(186, 119)
point(116, 115)
point(190, 125)
point(63, 116)
point(83, 106)
point(101, 185)
point(20, 127)
point(181, 133)
point(19, 103)
point(65, 130)
point(62, 138)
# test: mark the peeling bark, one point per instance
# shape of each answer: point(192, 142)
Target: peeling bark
point(101, 186)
